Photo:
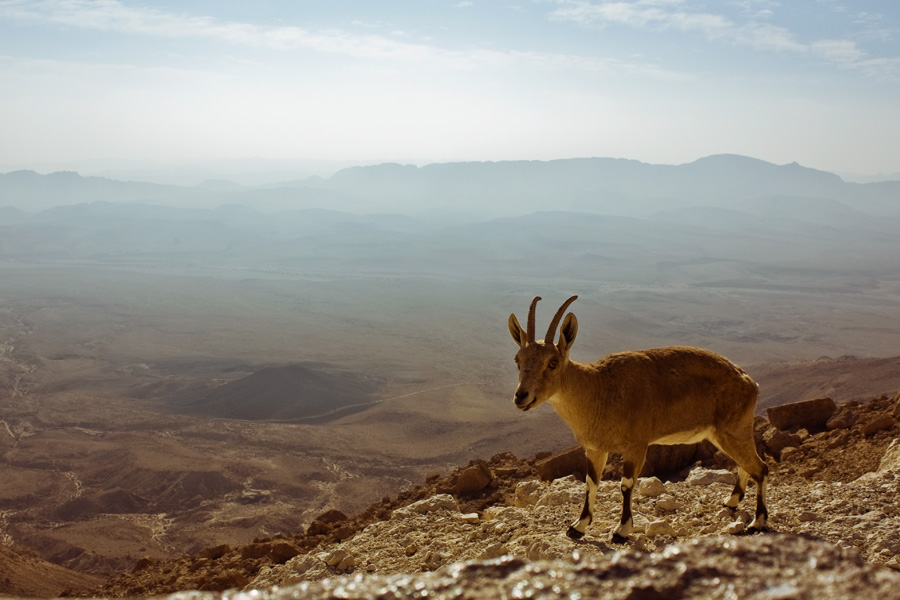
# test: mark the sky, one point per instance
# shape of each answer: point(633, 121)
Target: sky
point(419, 81)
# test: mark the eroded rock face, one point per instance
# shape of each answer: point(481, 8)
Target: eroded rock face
point(891, 459)
point(570, 462)
point(806, 414)
point(765, 566)
point(662, 461)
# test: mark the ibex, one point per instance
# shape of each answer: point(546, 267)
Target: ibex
point(629, 400)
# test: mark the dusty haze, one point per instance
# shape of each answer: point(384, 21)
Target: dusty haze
point(186, 366)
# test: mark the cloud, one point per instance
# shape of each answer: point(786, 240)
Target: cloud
point(115, 16)
point(657, 14)
point(754, 29)
point(842, 52)
point(767, 37)
point(847, 55)
point(756, 8)
point(19, 75)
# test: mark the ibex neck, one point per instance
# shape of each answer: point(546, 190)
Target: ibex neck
point(577, 384)
point(575, 378)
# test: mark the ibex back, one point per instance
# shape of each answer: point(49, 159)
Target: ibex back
point(627, 401)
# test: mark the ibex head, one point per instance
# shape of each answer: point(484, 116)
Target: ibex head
point(541, 363)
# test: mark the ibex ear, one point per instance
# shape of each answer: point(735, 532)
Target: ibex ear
point(567, 334)
point(516, 331)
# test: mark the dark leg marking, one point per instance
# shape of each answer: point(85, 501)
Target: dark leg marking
point(577, 529)
point(629, 470)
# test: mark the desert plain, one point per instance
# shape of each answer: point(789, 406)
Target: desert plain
point(109, 455)
point(172, 380)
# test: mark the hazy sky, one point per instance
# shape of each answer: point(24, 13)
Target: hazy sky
point(662, 81)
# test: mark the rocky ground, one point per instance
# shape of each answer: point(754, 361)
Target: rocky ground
point(833, 503)
point(766, 567)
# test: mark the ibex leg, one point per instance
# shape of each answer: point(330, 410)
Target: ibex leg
point(631, 468)
point(595, 464)
point(743, 450)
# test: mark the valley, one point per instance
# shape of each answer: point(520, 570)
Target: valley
point(104, 466)
point(174, 379)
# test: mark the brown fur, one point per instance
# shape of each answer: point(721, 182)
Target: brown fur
point(626, 401)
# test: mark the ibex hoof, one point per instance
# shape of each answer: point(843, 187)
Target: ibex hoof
point(574, 533)
point(618, 539)
point(756, 529)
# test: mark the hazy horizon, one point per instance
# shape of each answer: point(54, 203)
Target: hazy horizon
point(253, 172)
point(121, 87)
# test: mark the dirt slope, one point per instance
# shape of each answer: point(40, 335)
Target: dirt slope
point(830, 485)
point(24, 574)
point(843, 379)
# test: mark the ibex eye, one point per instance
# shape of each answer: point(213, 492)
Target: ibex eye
point(553, 364)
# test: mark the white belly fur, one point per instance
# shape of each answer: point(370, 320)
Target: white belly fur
point(684, 437)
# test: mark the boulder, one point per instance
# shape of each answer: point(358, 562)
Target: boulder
point(665, 460)
point(215, 552)
point(331, 516)
point(791, 453)
point(142, 564)
point(662, 461)
point(317, 528)
point(325, 522)
point(651, 487)
point(662, 527)
point(736, 528)
point(777, 441)
point(473, 479)
point(841, 420)
point(667, 502)
point(561, 497)
point(839, 440)
point(281, 551)
point(230, 579)
point(342, 533)
point(432, 504)
point(877, 424)
point(278, 551)
point(569, 462)
point(704, 477)
point(528, 493)
point(335, 557)
point(812, 415)
point(348, 563)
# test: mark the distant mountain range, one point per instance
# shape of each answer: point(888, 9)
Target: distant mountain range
point(482, 189)
point(601, 218)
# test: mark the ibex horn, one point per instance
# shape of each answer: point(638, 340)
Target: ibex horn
point(531, 319)
point(551, 331)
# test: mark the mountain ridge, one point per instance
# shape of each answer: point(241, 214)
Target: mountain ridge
point(620, 186)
